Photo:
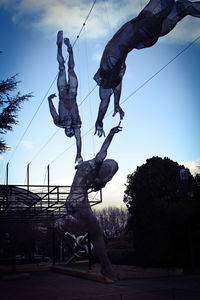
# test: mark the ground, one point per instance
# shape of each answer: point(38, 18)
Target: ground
point(48, 285)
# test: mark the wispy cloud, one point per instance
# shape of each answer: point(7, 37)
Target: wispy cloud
point(27, 144)
point(49, 16)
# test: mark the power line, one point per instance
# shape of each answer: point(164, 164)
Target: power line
point(88, 95)
point(32, 119)
point(70, 147)
point(155, 74)
point(20, 140)
point(48, 141)
point(85, 21)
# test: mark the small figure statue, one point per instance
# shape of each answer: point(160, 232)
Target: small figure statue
point(157, 19)
point(68, 114)
point(93, 175)
point(79, 245)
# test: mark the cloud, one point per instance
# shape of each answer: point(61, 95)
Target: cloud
point(49, 16)
point(27, 144)
point(193, 166)
point(113, 193)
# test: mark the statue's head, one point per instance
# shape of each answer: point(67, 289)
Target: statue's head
point(69, 131)
point(110, 78)
point(106, 172)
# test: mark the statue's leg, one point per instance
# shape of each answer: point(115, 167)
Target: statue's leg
point(181, 9)
point(157, 6)
point(86, 217)
point(72, 78)
point(189, 8)
point(61, 81)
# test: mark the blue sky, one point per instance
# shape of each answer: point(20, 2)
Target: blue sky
point(161, 118)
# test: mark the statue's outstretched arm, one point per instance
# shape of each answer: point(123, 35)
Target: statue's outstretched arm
point(52, 109)
point(101, 155)
point(77, 133)
point(104, 95)
point(117, 107)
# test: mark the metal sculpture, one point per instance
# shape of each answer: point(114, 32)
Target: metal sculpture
point(157, 19)
point(68, 114)
point(93, 175)
point(79, 246)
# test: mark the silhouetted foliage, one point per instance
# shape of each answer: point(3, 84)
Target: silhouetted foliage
point(10, 104)
point(165, 214)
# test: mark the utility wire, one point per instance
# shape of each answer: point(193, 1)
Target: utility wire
point(20, 140)
point(70, 146)
point(155, 74)
point(48, 141)
point(85, 22)
point(136, 90)
point(32, 119)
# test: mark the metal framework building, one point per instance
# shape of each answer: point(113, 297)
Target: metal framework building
point(30, 203)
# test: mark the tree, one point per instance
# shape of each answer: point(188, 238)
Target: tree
point(10, 104)
point(113, 221)
point(165, 214)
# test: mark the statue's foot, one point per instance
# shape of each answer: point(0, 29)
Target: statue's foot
point(60, 38)
point(67, 43)
point(109, 273)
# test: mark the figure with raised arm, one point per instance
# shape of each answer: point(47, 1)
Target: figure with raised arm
point(68, 114)
point(157, 19)
point(93, 175)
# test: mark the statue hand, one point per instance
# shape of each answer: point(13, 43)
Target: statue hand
point(119, 110)
point(52, 96)
point(116, 129)
point(99, 129)
point(78, 159)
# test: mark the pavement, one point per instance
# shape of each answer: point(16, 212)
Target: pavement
point(48, 285)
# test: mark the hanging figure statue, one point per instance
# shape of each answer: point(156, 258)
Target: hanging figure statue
point(68, 114)
point(93, 175)
point(157, 19)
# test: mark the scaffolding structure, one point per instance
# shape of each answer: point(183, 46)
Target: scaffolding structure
point(30, 203)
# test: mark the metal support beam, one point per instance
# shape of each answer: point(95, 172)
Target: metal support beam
point(7, 169)
point(28, 183)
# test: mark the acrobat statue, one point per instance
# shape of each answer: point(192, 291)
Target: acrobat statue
point(68, 114)
point(157, 19)
point(93, 175)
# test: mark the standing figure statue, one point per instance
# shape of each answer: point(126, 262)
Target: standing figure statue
point(68, 114)
point(93, 175)
point(157, 19)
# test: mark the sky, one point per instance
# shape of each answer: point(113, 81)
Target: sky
point(160, 92)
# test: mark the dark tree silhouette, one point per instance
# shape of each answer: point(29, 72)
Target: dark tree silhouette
point(10, 104)
point(165, 214)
